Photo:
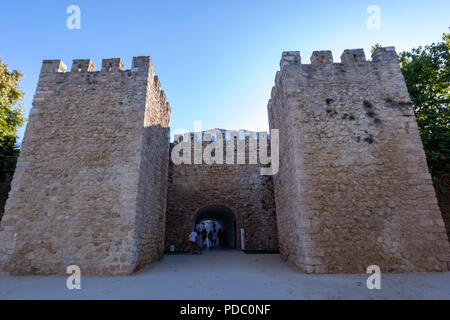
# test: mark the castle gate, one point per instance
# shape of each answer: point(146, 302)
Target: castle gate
point(231, 194)
point(92, 185)
point(223, 218)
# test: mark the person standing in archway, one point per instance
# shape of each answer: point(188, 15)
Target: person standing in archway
point(214, 237)
point(204, 236)
point(199, 244)
point(210, 239)
point(193, 240)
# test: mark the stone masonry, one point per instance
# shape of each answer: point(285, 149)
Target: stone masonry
point(353, 189)
point(95, 187)
point(91, 180)
point(239, 187)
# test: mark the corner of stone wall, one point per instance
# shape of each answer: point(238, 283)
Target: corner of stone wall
point(153, 176)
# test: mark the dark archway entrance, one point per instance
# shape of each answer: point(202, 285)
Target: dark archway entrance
point(225, 218)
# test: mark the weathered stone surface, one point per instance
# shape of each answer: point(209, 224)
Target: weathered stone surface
point(91, 186)
point(239, 187)
point(353, 187)
point(91, 179)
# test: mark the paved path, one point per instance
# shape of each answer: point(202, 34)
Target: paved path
point(227, 275)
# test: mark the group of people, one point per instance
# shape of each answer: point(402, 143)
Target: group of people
point(199, 239)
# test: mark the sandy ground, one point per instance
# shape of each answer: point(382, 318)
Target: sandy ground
point(227, 275)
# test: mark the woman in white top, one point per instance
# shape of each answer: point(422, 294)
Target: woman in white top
point(193, 240)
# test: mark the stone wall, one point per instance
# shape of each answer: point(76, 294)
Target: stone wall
point(92, 188)
point(90, 181)
point(239, 187)
point(353, 189)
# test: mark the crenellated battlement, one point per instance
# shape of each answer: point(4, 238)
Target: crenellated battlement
point(212, 135)
point(296, 79)
point(83, 78)
point(139, 64)
point(322, 58)
point(350, 57)
point(53, 66)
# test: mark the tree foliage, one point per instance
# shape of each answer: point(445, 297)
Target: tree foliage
point(374, 47)
point(427, 75)
point(11, 118)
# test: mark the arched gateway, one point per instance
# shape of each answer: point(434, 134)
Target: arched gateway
point(237, 196)
point(225, 218)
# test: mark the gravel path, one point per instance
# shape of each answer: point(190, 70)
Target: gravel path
point(227, 275)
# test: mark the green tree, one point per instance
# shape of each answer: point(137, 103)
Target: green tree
point(427, 75)
point(374, 47)
point(11, 118)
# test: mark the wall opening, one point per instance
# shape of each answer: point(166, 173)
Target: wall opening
point(224, 217)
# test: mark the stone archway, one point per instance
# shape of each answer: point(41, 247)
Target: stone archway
point(236, 188)
point(224, 216)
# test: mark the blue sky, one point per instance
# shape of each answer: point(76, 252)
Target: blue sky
point(216, 59)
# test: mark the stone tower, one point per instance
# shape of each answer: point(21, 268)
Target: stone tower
point(353, 189)
point(91, 180)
